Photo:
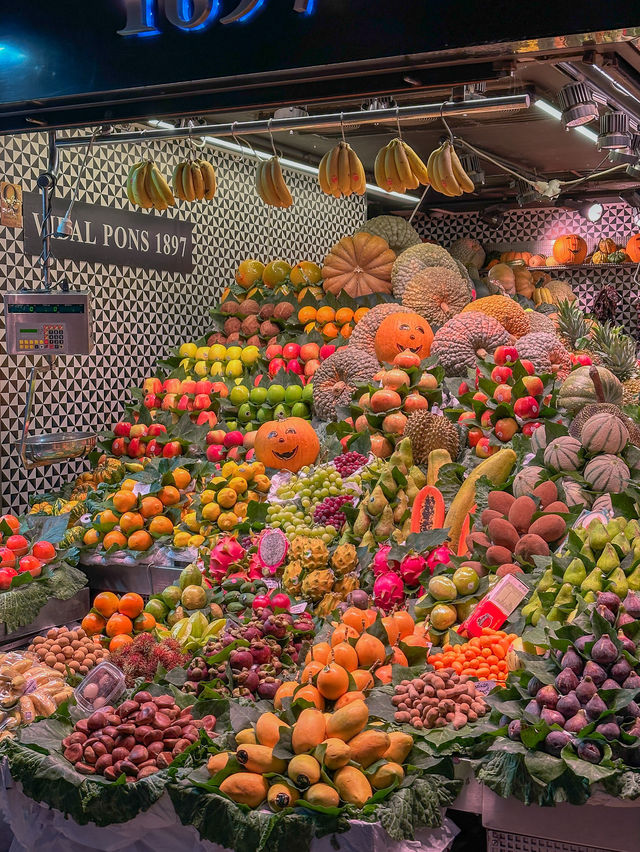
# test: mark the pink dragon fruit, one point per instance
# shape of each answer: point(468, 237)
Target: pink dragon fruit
point(388, 591)
point(439, 556)
point(226, 552)
point(255, 567)
point(412, 567)
point(380, 564)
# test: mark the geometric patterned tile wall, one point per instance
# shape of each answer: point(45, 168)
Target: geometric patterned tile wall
point(140, 314)
point(535, 230)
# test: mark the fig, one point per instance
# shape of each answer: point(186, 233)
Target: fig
point(631, 604)
point(632, 682)
point(555, 741)
point(595, 707)
point(610, 684)
point(589, 752)
point(624, 618)
point(610, 600)
point(576, 723)
point(609, 730)
point(568, 705)
point(586, 689)
point(552, 717)
point(534, 686)
point(627, 644)
point(621, 670)
point(572, 660)
point(595, 672)
point(533, 708)
point(566, 681)
point(514, 729)
point(606, 613)
point(580, 643)
point(633, 709)
point(547, 697)
point(604, 651)
point(634, 730)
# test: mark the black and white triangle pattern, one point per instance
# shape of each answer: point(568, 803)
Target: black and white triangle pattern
point(139, 314)
point(536, 230)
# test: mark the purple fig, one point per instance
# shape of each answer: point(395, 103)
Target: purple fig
point(555, 741)
point(547, 696)
point(621, 670)
point(572, 660)
point(552, 717)
point(513, 731)
point(566, 681)
point(595, 672)
point(608, 599)
point(576, 723)
point(604, 651)
point(568, 705)
point(628, 644)
point(631, 604)
point(533, 708)
point(595, 707)
point(634, 730)
point(610, 684)
point(241, 658)
point(589, 752)
point(632, 709)
point(585, 689)
point(534, 686)
point(632, 682)
point(580, 643)
point(606, 613)
point(624, 618)
point(358, 598)
point(609, 730)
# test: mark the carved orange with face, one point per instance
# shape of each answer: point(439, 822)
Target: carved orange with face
point(287, 444)
point(400, 332)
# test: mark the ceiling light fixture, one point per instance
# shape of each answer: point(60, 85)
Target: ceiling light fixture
point(545, 106)
point(591, 211)
point(614, 131)
point(578, 106)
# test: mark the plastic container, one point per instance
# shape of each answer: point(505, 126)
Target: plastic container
point(101, 687)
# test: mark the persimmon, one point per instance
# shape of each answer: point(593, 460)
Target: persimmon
point(106, 520)
point(139, 540)
point(342, 633)
point(145, 622)
point(131, 605)
point(150, 507)
point(130, 522)
point(310, 671)
point(93, 623)
point(118, 624)
point(370, 650)
point(404, 621)
point(399, 657)
point(325, 314)
point(285, 690)
point(345, 655)
point(106, 603)
point(124, 501)
point(355, 618)
point(384, 674)
point(92, 537)
point(392, 629)
point(319, 652)
point(120, 641)
point(363, 679)
point(160, 526)
point(310, 693)
point(332, 681)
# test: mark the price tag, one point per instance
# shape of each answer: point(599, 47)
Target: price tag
point(484, 687)
point(271, 584)
point(141, 488)
point(296, 609)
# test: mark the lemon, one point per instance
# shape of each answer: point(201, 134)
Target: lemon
point(238, 483)
point(207, 496)
point(210, 512)
point(220, 480)
point(196, 540)
point(188, 350)
point(201, 368)
point(216, 369)
point(202, 353)
point(227, 521)
point(249, 355)
point(257, 468)
point(229, 469)
point(241, 510)
point(245, 471)
point(226, 498)
point(233, 353)
point(234, 368)
point(181, 539)
point(217, 352)
point(191, 521)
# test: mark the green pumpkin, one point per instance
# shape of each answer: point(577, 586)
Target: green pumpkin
point(578, 389)
point(617, 257)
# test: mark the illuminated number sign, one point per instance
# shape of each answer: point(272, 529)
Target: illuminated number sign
point(191, 15)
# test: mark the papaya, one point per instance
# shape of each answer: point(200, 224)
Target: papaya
point(217, 762)
point(353, 786)
point(336, 753)
point(246, 788)
point(497, 468)
point(427, 512)
point(309, 731)
point(368, 746)
point(246, 736)
point(436, 460)
point(304, 770)
point(399, 747)
point(348, 721)
point(347, 698)
point(463, 549)
point(385, 775)
point(322, 794)
point(281, 796)
point(259, 758)
point(268, 729)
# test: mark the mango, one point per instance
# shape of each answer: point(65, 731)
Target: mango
point(246, 736)
point(281, 796)
point(442, 588)
point(304, 770)
point(384, 775)
point(369, 746)
point(259, 758)
point(400, 746)
point(353, 786)
point(336, 753)
point(309, 731)
point(348, 721)
point(268, 729)
point(246, 788)
point(322, 794)
point(217, 762)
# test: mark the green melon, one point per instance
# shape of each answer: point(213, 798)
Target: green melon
point(527, 479)
point(578, 389)
point(607, 473)
point(563, 454)
point(603, 433)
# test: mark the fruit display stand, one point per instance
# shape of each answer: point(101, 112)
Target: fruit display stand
point(146, 575)
point(54, 613)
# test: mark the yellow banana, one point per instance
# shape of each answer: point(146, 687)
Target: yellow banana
point(209, 178)
point(465, 182)
point(322, 175)
point(356, 172)
point(417, 166)
point(402, 166)
point(187, 183)
point(378, 169)
point(344, 175)
point(333, 173)
point(176, 182)
point(163, 191)
point(431, 169)
point(140, 187)
point(132, 171)
point(198, 181)
point(446, 171)
point(394, 181)
point(281, 188)
point(269, 187)
point(259, 185)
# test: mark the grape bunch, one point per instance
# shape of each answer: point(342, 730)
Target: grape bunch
point(349, 463)
point(328, 512)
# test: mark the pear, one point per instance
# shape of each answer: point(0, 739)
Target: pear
point(401, 506)
point(412, 489)
point(608, 559)
point(590, 597)
point(402, 456)
point(533, 604)
point(632, 530)
point(633, 580)
point(587, 554)
point(617, 583)
point(598, 536)
point(565, 595)
point(593, 582)
point(406, 528)
point(556, 614)
point(368, 541)
point(546, 581)
point(418, 476)
point(385, 525)
point(362, 522)
point(377, 502)
point(572, 615)
point(621, 544)
point(388, 483)
point(581, 533)
point(575, 573)
point(613, 528)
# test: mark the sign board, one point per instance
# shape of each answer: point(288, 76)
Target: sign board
point(10, 204)
point(110, 236)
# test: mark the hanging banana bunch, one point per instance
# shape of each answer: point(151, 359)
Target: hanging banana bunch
point(446, 174)
point(194, 180)
point(398, 167)
point(270, 184)
point(341, 173)
point(147, 188)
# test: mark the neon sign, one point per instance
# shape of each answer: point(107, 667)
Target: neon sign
point(191, 15)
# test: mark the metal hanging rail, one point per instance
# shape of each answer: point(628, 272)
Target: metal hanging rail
point(312, 122)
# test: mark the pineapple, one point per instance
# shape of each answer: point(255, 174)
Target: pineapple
point(617, 352)
point(573, 327)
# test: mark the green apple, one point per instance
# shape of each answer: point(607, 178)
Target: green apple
point(258, 395)
point(293, 394)
point(281, 411)
point(275, 394)
point(232, 425)
point(300, 409)
point(239, 395)
point(245, 413)
point(263, 415)
point(307, 392)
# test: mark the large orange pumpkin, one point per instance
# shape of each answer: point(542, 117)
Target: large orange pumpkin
point(633, 248)
point(287, 444)
point(398, 332)
point(570, 250)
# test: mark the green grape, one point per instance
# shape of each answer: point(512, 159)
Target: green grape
point(327, 537)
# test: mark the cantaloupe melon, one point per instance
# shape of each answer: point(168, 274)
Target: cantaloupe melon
point(607, 473)
point(563, 454)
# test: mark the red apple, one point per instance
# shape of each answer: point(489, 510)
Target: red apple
point(188, 386)
point(152, 385)
point(185, 403)
point(505, 428)
point(276, 365)
point(501, 375)
point(463, 388)
point(527, 407)
point(533, 384)
point(528, 366)
point(466, 415)
point(119, 446)
point(233, 439)
point(294, 366)
point(151, 401)
point(217, 436)
point(290, 350)
point(257, 380)
point(233, 453)
point(122, 429)
point(310, 367)
point(215, 452)
point(153, 448)
point(309, 352)
point(208, 417)
point(6, 576)
point(505, 355)
point(474, 435)
point(172, 385)
point(136, 448)
point(202, 401)
point(30, 564)
point(326, 350)
point(273, 351)
point(170, 401)
point(204, 386)
point(250, 455)
point(138, 431)
point(156, 429)
point(484, 449)
point(44, 551)
point(7, 558)
point(220, 388)
point(172, 449)
point(529, 428)
point(482, 397)
point(502, 393)
point(584, 360)
point(485, 419)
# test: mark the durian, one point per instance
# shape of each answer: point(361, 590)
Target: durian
point(427, 432)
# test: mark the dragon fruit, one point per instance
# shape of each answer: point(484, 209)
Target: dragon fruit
point(226, 552)
point(388, 590)
point(412, 567)
point(439, 556)
point(381, 565)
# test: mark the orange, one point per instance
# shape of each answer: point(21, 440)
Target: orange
point(342, 633)
point(169, 495)
point(330, 331)
point(181, 477)
point(128, 484)
point(325, 314)
point(106, 520)
point(343, 315)
point(144, 622)
point(405, 623)
point(310, 693)
point(139, 540)
point(93, 623)
point(344, 655)
point(120, 641)
point(124, 501)
point(346, 331)
point(106, 603)
point(306, 315)
point(285, 690)
point(249, 272)
point(131, 604)
point(150, 507)
point(319, 652)
point(305, 272)
point(130, 522)
point(332, 681)
point(361, 312)
point(114, 538)
point(276, 273)
point(160, 526)
point(92, 537)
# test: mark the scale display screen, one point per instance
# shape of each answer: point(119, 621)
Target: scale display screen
point(47, 309)
point(48, 323)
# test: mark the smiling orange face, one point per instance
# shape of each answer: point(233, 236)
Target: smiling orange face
point(400, 332)
point(570, 250)
point(287, 444)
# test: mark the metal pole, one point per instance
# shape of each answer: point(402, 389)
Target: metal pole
point(47, 183)
point(312, 122)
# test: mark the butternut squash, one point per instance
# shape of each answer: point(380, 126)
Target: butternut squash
point(246, 788)
point(353, 786)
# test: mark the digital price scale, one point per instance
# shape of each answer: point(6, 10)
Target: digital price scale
point(48, 322)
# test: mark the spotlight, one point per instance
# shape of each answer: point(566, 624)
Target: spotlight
point(578, 106)
point(591, 211)
point(614, 131)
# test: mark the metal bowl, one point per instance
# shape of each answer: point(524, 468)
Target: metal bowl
point(51, 448)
